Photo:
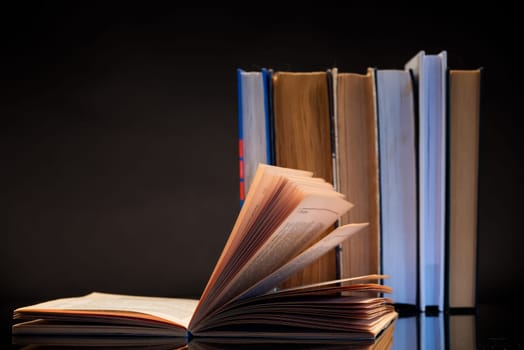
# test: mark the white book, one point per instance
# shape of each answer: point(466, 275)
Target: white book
point(429, 73)
point(397, 177)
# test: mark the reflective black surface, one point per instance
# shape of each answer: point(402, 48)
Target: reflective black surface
point(488, 327)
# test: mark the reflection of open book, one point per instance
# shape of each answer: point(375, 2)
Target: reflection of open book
point(383, 342)
point(284, 213)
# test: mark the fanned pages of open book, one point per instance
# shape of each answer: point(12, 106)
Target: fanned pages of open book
point(275, 235)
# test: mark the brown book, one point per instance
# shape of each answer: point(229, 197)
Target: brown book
point(357, 170)
point(302, 140)
point(464, 119)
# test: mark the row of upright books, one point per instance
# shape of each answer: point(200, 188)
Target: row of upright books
point(402, 145)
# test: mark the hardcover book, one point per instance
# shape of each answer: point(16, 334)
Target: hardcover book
point(254, 142)
point(356, 169)
point(302, 140)
point(429, 75)
point(464, 98)
point(398, 182)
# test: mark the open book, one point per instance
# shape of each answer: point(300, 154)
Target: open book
point(275, 235)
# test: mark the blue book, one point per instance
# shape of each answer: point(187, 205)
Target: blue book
point(254, 125)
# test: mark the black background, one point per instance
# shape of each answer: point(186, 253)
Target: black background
point(119, 133)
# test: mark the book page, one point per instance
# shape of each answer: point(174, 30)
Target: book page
point(175, 311)
point(250, 228)
point(266, 182)
point(320, 309)
point(312, 216)
point(337, 286)
point(327, 243)
point(276, 194)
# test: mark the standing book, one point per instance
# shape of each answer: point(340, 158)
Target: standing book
point(254, 142)
point(302, 140)
point(356, 166)
point(275, 235)
point(398, 182)
point(429, 74)
point(464, 98)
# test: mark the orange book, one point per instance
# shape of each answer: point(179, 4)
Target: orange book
point(463, 146)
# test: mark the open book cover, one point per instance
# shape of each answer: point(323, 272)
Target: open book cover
point(276, 234)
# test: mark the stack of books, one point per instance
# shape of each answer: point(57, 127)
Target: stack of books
point(402, 144)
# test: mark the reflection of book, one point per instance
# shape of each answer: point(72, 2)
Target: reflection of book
point(275, 235)
point(382, 342)
point(461, 332)
point(48, 342)
point(463, 142)
point(432, 332)
point(405, 336)
point(429, 73)
point(398, 206)
point(357, 169)
point(302, 140)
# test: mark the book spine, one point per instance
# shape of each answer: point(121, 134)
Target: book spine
point(380, 204)
point(477, 247)
point(333, 127)
point(447, 223)
point(240, 139)
point(270, 119)
point(266, 76)
point(416, 120)
point(443, 162)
